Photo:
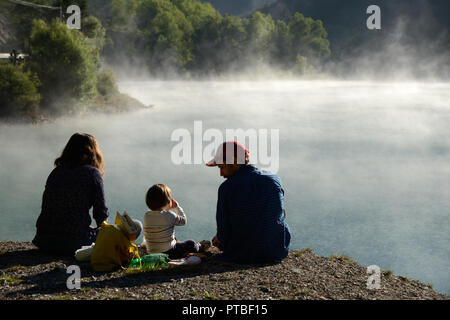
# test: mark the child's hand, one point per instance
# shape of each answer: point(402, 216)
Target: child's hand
point(174, 204)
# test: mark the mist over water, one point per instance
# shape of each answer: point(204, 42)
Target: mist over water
point(365, 165)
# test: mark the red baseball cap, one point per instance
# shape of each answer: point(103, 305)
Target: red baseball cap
point(227, 152)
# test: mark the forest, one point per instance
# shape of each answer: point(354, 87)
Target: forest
point(65, 70)
point(70, 71)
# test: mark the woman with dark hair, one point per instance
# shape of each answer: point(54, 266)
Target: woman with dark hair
point(73, 187)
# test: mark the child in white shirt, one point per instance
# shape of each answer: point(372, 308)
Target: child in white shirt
point(160, 222)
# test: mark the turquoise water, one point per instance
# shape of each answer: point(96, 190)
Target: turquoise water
point(365, 166)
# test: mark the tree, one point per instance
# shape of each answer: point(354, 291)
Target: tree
point(259, 31)
point(308, 38)
point(93, 29)
point(166, 34)
point(204, 20)
point(19, 96)
point(197, 13)
point(230, 44)
point(66, 65)
point(280, 44)
point(106, 85)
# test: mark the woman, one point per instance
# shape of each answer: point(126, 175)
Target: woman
point(72, 189)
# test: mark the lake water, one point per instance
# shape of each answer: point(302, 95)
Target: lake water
point(365, 166)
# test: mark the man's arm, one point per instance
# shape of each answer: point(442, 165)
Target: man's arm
point(223, 227)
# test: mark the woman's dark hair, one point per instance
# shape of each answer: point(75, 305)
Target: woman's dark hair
point(158, 196)
point(82, 149)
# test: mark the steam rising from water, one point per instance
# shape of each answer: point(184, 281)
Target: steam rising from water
point(365, 165)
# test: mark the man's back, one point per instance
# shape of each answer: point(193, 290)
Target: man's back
point(250, 217)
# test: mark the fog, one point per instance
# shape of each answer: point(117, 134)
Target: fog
point(364, 164)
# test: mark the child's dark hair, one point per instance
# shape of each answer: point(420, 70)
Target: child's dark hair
point(158, 196)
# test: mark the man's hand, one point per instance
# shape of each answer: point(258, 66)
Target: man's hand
point(216, 243)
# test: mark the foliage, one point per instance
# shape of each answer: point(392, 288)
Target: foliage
point(19, 94)
point(188, 35)
point(20, 21)
point(65, 63)
point(62, 75)
point(92, 28)
point(106, 84)
point(166, 33)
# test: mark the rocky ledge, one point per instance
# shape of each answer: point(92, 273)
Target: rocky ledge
point(28, 274)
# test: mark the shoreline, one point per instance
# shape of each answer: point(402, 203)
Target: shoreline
point(117, 105)
point(28, 274)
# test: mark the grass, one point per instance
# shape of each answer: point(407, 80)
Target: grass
point(107, 296)
point(167, 270)
point(10, 280)
point(343, 258)
point(298, 253)
point(16, 268)
point(194, 293)
point(65, 296)
point(304, 291)
point(210, 296)
point(158, 297)
point(387, 273)
point(143, 270)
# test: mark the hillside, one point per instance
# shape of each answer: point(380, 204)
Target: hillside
point(342, 19)
point(25, 274)
point(414, 39)
point(414, 33)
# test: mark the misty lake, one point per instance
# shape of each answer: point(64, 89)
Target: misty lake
point(365, 166)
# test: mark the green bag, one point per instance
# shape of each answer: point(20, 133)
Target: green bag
point(150, 261)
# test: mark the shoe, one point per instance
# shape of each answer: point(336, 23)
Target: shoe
point(204, 245)
point(193, 260)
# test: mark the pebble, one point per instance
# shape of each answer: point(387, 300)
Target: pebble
point(337, 280)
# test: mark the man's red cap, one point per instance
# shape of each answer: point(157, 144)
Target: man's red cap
point(227, 152)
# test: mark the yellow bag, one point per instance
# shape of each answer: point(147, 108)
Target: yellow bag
point(112, 249)
point(126, 224)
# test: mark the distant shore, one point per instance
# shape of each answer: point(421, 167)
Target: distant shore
point(27, 274)
point(119, 103)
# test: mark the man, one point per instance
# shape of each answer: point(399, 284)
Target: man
point(250, 215)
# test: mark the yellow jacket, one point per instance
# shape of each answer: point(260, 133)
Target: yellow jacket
point(112, 249)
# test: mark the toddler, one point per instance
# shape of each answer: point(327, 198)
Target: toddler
point(159, 225)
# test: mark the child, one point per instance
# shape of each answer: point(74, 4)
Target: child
point(160, 222)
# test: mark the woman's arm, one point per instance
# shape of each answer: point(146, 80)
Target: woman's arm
point(100, 211)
